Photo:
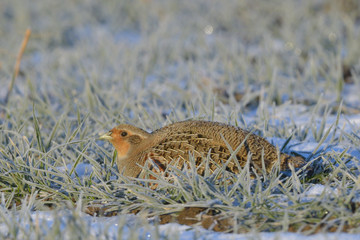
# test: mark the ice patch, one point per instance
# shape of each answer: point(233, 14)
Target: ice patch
point(82, 169)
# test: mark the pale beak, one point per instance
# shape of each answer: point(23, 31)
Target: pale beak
point(107, 136)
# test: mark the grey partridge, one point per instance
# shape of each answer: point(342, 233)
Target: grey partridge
point(201, 138)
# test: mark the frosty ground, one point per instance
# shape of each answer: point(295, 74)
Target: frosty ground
point(288, 71)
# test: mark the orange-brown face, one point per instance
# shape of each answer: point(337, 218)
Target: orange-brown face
point(119, 138)
point(125, 138)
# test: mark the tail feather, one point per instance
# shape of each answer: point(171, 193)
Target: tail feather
point(296, 161)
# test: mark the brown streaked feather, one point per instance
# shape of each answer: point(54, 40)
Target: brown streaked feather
point(200, 138)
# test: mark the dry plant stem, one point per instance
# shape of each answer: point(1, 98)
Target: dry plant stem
point(17, 64)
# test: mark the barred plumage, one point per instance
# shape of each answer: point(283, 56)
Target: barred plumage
point(200, 138)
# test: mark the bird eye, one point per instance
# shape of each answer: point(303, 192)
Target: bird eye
point(123, 134)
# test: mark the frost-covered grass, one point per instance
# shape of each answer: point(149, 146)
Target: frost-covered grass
point(287, 70)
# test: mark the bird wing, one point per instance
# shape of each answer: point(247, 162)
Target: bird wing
point(180, 146)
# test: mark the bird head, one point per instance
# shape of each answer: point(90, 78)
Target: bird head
point(125, 138)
